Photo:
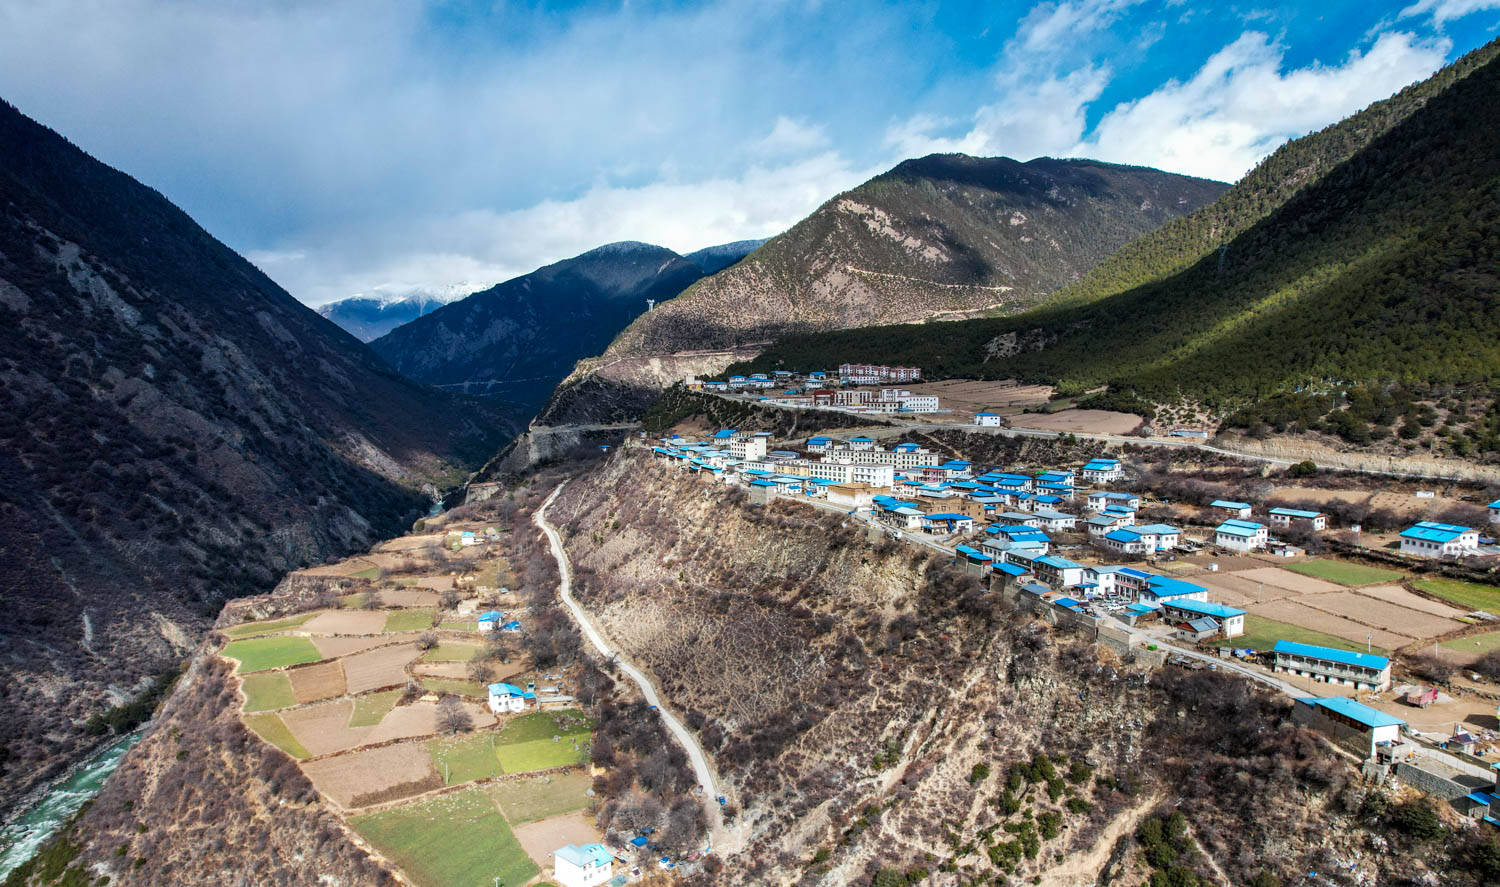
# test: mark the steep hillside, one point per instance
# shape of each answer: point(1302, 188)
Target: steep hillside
point(944, 235)
point(515, 341)
point(880, 717)
point(368, 318)
point(175, 430)
point(1382, 271)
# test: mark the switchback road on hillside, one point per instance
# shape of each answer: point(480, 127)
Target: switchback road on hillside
point(719, 837)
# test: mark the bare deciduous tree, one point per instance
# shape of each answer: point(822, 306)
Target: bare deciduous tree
point(452, 717)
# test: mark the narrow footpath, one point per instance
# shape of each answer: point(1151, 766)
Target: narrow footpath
point(720, 839)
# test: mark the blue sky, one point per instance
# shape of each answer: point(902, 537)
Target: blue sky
point(363, 146)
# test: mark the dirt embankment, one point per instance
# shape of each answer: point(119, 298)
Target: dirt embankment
point(203, 801)
point(874, 709)
point(1298, 449)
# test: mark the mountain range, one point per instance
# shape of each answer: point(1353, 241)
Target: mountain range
point(176, 430)
point(515, 341)
point(369, 317)
point(1360, 256)
point(940, 236)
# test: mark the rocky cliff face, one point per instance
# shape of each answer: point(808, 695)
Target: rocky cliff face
point(939, 237)
point(879, 715)
point(175, 430)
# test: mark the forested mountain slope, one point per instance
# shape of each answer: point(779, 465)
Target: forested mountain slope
point(1382, 271)
point(942, 235)
point(515, 341)
point(175, 429)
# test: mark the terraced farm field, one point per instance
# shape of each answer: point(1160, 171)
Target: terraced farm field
point(278, 651)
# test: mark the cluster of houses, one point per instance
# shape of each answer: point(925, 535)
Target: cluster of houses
point(821, 389)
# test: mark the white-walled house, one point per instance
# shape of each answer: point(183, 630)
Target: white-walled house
point(1351, 724)
point(1495, 511)
point(1100, 471)
point(1362, 671)
point(990, 419)
point(1236, 510)
point(1292, 517)
point(490, 620)
point(585, 866)
point(509, 698)
point(1231, 621)
point(1102, 499)
point(1241, 535)
point(1429, 539)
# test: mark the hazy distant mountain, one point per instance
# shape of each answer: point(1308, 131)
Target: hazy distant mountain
point(370, 317)
point(515, 341)
point(941, 236)
point(176, 430)
point(713, 259)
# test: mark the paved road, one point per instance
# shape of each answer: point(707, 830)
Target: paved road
point(719, 837)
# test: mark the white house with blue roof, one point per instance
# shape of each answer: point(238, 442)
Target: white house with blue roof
point(1231, 621)
point(1101, 471)
point(987, 419)
point(490, 620)
point(509, 698)
point(1297, 518)
point(1353, 725)
point(582, 866)
point(1240, 510)
point(1430, 539)
point(1241, 535)
point(1099, 500)
point(1346, 668)
point(1161, 589)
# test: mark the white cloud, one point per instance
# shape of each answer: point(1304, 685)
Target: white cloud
point(482, 247)
point(790, 137)
point(1443, 11)
point(1033, 119)
point(1241, 105)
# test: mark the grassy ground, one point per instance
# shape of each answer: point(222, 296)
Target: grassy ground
point(251, 629)
point(527, 743)
point(456, 839)
point(259, 654)
point(273, 730)
point(449, 651)
point(372, 707)
point(1478, 644)
point(452, 685)
point(1344, 573)
point(353, 601)
point(527, 800)
point(1469, 595)
point(371, 573)
point(459, 624)
point(409, 620)
point(1262, 634)
point(267, 691)
point(465, 758)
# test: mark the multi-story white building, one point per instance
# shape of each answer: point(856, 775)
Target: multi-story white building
point(1429, 539)
point(1241, 535)
point(1362, 671)
point(586, 866)
point(1101, 471)
point(748, 448)
point(875, 374)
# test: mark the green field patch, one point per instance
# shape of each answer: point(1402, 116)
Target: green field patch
point(1469, 595)
point(527, 800)
point(459, 624)
point(1478, 644)
point(543, 740)
point(1344, 573)
point(455, 840)
point(370, 573)
point(450, 651)
point(415, 619)
point(1262, 634)
point(371, 708)
point(273, 729)
point(268, 690)
point(453, 685)
point(259, 654)
point(465, 758)
point(354, 601)
point(271, 626)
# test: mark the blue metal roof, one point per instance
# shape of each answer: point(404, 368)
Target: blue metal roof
point(1430, 531)
point(948, 517)
point(588, 854)
point(1358, 711)
point(1343, 657)
point(1238, 528)
point(1295, 512)
point(1225, 503)
point(491, 616)
point(1058, 563)
point(1138, 574)
point(1143, 608)
point(1218, 611)
point(1158, 529)
point(1067, 602)
point(1009, 569)
point(1123, 535)
point(1101, 464)
point(1162, 586)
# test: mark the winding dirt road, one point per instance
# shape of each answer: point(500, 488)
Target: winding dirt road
point(720, 839)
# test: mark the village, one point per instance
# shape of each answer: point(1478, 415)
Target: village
point(411, 703)
point(1227, 586)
